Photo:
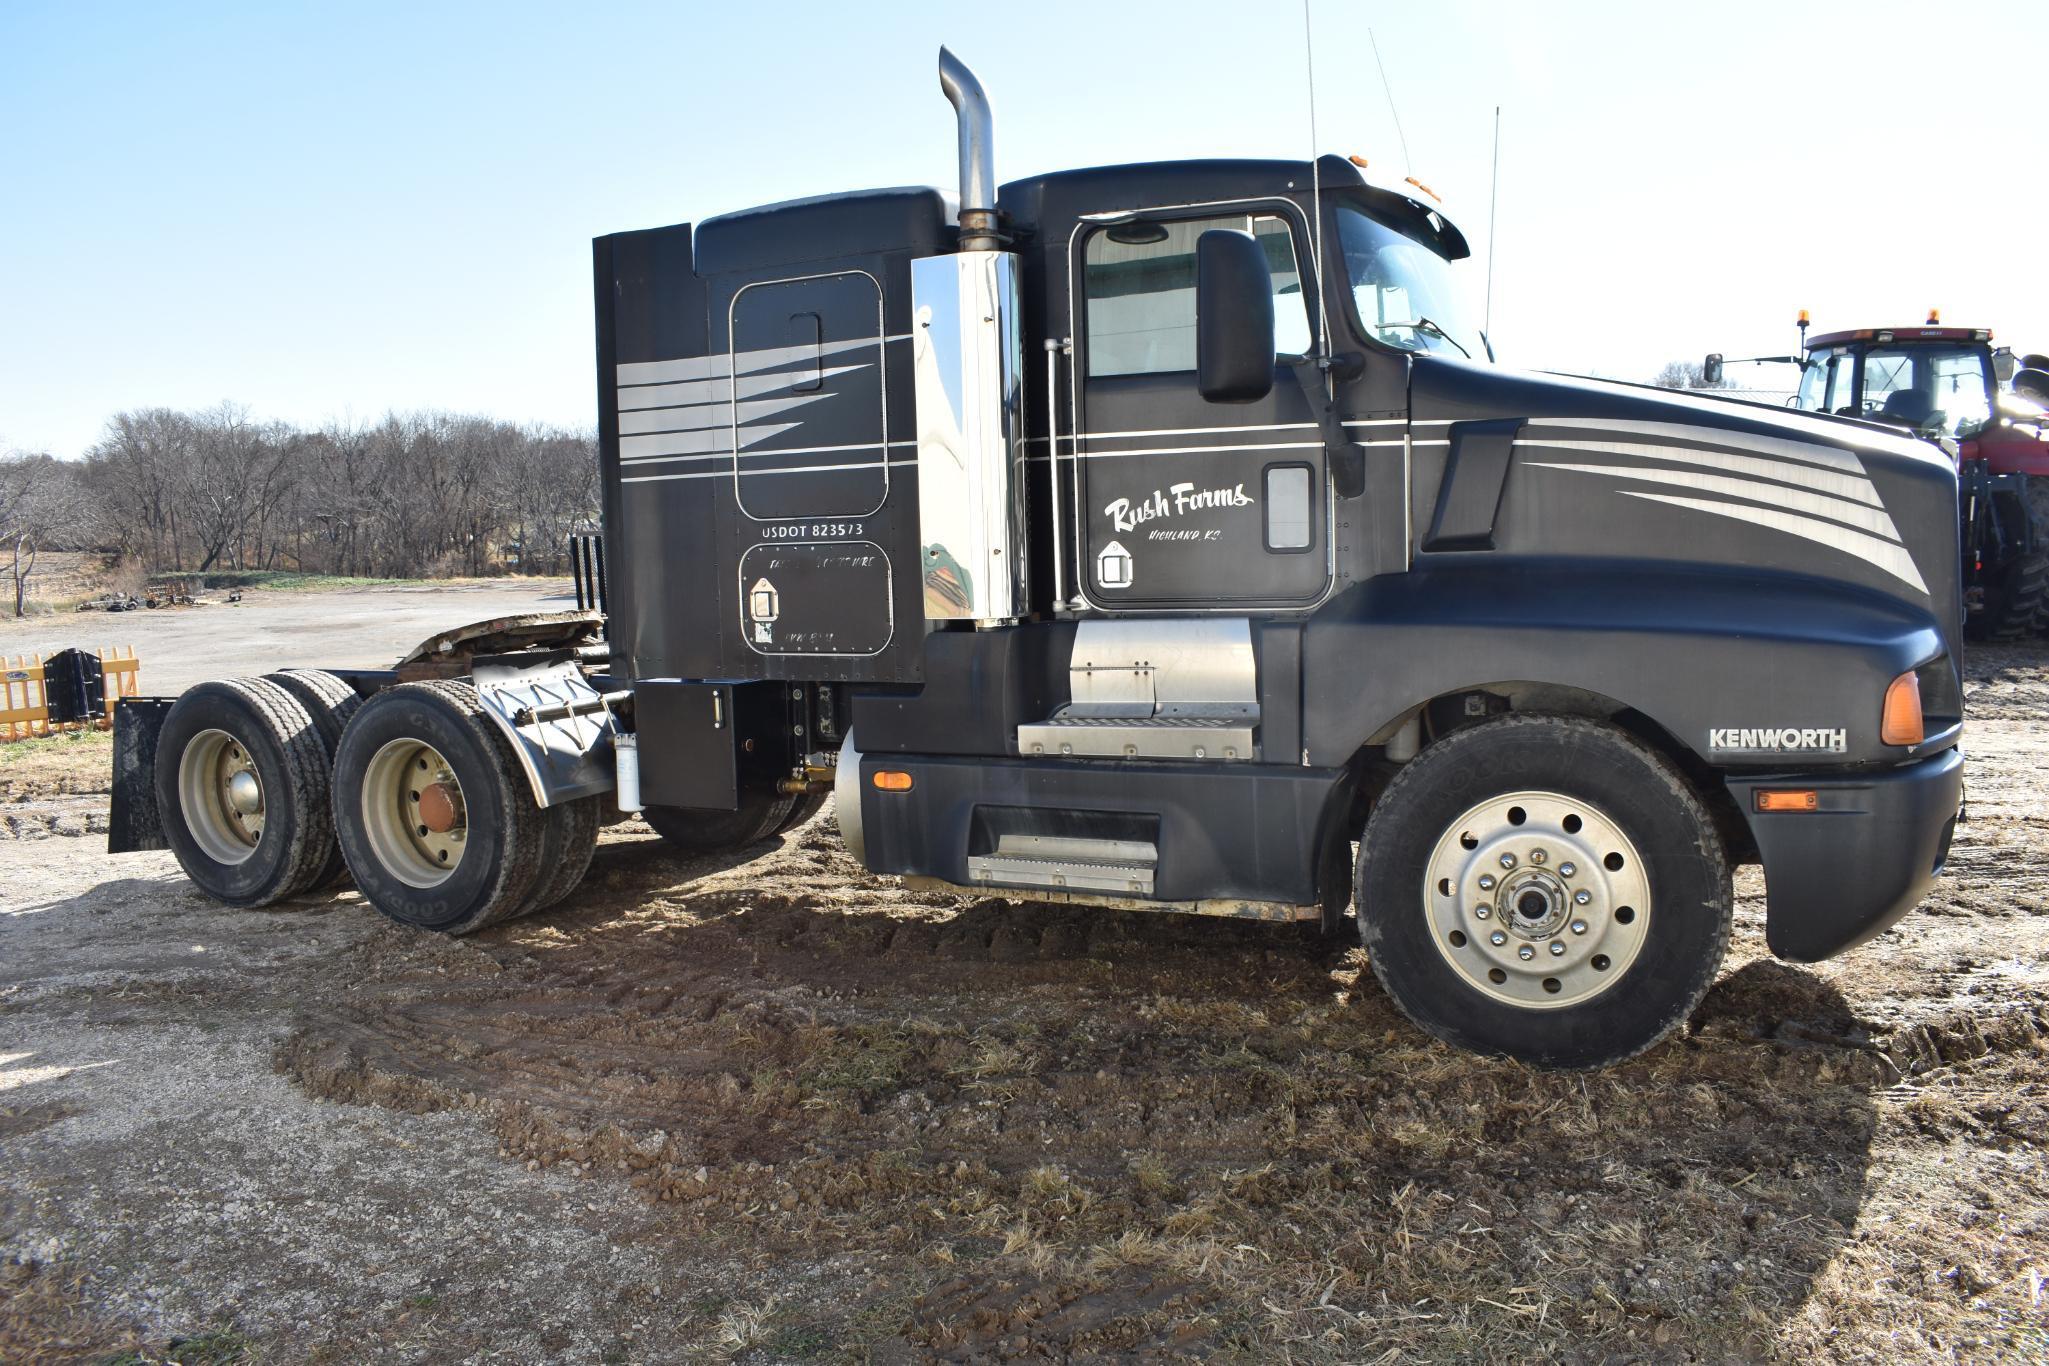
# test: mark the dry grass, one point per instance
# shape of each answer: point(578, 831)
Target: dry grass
point(48, 766)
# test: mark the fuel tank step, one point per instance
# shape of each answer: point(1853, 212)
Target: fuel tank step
point(1059, 863)
point(1186, 736)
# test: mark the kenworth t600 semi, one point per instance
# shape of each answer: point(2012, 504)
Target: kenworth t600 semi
point(1160, 536)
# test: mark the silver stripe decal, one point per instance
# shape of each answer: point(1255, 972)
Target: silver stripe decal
point(722, 390)
point(1203, 450)
point(1246, 427)
point(795, 469)
point(1893, 559)
point(1782, 447)
point(710, 414)
point(726, 453)
point(725, 366)
point(1873, 520)
point(687, 443)
point(1855, 487)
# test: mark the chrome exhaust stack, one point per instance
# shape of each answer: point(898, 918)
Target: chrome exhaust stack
point(977, 154)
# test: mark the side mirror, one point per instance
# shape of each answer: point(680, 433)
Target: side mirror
point(1234, 318)
point(1711, 371)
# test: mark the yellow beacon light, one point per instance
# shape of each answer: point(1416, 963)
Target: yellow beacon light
point(1934, 317)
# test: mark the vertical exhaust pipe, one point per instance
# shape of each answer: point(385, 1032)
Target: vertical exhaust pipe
point(977, 154)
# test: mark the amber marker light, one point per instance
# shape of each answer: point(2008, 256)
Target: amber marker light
point(1802, 799)
point(1901, 722)
point(1357, 160)
point(892, 780)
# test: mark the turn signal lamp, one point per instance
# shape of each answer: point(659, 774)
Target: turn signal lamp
point(1901, 722)
point(1802, 799)
point(892, 780)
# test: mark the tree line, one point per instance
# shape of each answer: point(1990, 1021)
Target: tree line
point(414, 495)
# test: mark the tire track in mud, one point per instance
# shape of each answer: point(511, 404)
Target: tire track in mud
point(1053, 1129)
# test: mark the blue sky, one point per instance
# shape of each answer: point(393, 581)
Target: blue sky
point(324, 212)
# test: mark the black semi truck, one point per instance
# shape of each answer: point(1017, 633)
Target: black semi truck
point(1160, 536)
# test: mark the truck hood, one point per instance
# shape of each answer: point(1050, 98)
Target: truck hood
point(1610, 470)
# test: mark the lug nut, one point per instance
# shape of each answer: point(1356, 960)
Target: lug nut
point(1579, 927)
point(1537, 856)
point(1566, 870)
point(1486, 882)
point(1482, 911)
point(1508, 860)
point(1557, 948)
point(1582, 897)
point(1526, 953)
point(1497, 939)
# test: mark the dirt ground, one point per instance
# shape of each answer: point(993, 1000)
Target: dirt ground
point(769, 1107)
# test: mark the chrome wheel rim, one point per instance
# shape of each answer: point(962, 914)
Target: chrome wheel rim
point(220, 794)
point(414, 815)
point(1537, 900)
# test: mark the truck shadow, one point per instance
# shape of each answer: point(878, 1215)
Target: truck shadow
point(1145, 1109)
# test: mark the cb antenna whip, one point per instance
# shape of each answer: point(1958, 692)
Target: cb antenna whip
point(1315, 177)
point(1408, 166)
point(1493, 196)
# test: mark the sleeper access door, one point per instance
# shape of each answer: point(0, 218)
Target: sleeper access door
point(1186, 504)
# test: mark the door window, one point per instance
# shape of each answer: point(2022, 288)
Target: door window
point(1139, 287)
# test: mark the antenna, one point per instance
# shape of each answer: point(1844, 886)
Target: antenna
point(1493, 197)
point(1315, 182)
point(1408, 166)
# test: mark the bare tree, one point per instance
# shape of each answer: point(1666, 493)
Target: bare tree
point(1684, 374)
point(42, 504)
point(413, 494)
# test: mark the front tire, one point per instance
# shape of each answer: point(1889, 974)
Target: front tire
point(1545, 888)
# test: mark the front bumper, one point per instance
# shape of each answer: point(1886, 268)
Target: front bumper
point(1837, 876)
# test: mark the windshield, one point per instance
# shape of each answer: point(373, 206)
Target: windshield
point(1935, 389)
point(1403, 290)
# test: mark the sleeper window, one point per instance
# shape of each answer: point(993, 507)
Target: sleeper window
point(1141, 294)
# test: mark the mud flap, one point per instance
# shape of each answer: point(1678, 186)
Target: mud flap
point(135, 824)
point(563, 758)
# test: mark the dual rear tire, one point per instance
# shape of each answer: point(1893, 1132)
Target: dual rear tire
point(273, 787)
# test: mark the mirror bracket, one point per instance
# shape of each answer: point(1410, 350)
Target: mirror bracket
point(1345, 459)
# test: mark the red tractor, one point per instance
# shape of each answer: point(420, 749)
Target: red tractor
point(1942, 384)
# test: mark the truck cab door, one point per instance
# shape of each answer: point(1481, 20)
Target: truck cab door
point(1187, 504)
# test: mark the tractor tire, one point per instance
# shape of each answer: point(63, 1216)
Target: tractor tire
point(761, 815)
point(242, 782)
point(330, 702)
point(570, 841)
point(2017, 593)
point(435, 818)
point(1544, 887)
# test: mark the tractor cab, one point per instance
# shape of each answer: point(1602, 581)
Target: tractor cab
point(1947, 385)
point(1933, 381)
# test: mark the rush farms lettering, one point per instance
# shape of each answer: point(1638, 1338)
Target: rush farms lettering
point(1176, 500)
